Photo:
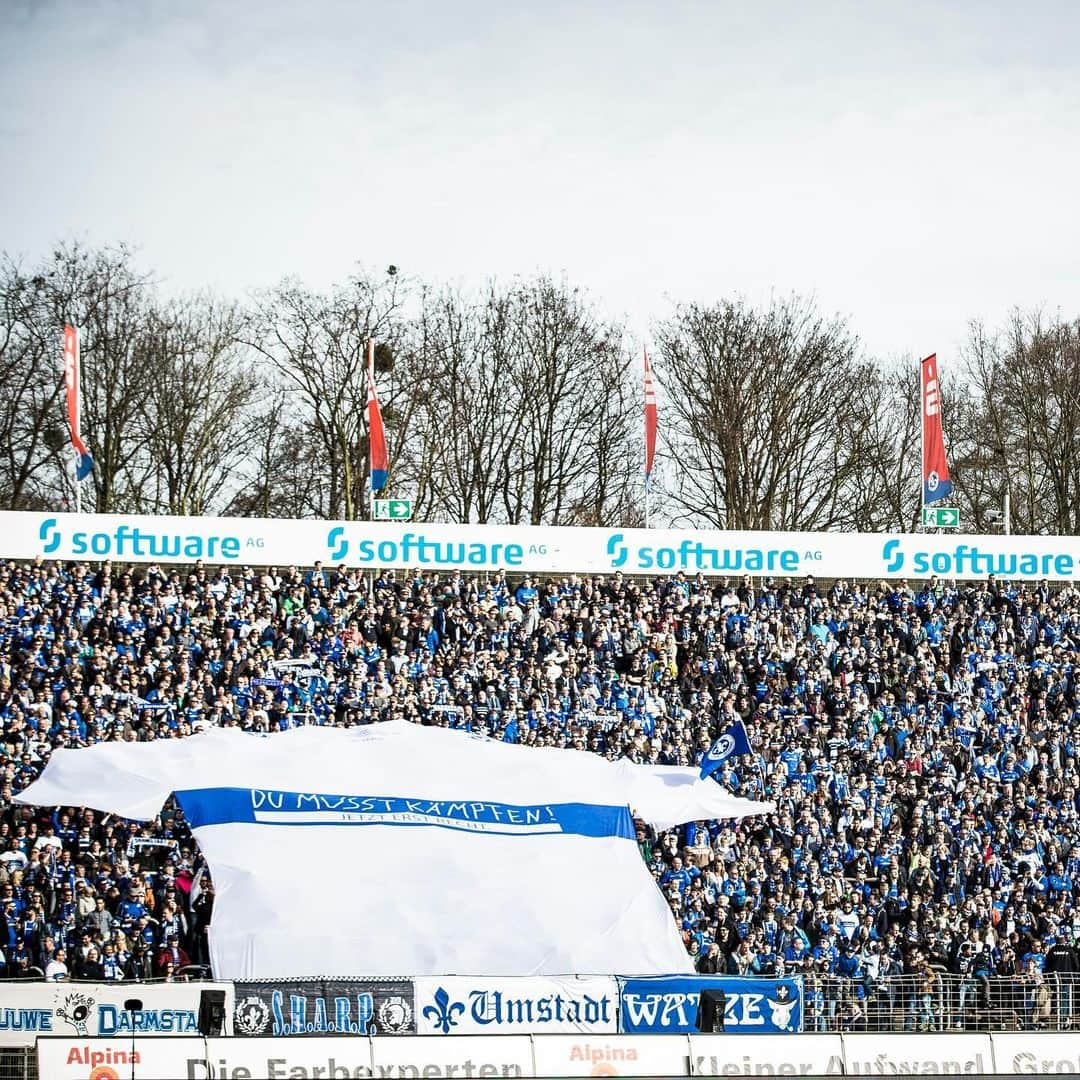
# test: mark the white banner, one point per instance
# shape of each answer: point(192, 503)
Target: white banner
point(533, 549)
point(766, 1055)
point(88, 1010)
point(118, 1059)
point(477, 816)
point(414, 1056)
point(459, 1005)
point(1036, 1053)
point(615, 1055)
point(874, 1055)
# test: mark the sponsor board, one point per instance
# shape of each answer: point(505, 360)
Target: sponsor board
point(613, 1055)
point(460, 1005)
point(92, 1010)
point(414, 1057)
point(767, 1055)
point(314, 1007)
point(119, 1059)
point(533, 549)
point(280, 1059)
point(753, 1006)
point(432, 1055)
point(1036, 1054)
point(875, 1055)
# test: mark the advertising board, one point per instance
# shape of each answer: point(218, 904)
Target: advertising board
point(314, 1007)
point(767, 1055)
point(873, 1055)
point(118, 1059)
point(280, 1059)
point(1036, 1053)
point(611, 1055)
point(417, 1056)
point(90, 1010)
point(412, 1057)
point(533, 549)
point(461, 1005)
point(669, 1005)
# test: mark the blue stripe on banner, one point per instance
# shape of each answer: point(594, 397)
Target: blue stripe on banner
point(264, 806)
point(378, 479)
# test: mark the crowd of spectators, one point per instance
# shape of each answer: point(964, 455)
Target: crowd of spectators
point(920, 741)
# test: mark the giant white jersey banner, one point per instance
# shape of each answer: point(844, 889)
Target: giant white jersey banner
point(533, 549)
point(398, 848)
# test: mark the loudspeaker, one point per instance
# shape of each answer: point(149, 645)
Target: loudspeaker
point(212, 1013)
point(711, 1006)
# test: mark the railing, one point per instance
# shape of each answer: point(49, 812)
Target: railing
point(18, 1063)
point(936, 1002)
point(188, 973)
point(943, 1002)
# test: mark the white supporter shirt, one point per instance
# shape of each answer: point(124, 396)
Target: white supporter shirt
point(394, 848)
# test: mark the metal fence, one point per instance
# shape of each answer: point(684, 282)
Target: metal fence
point(17, 1063)
point(943, 1001)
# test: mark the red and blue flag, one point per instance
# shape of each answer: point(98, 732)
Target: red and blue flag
point(380, 462)
point(650, 419)
point(935, 471)
point(84, 465)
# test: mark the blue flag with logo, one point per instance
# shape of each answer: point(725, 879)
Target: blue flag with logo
point(733, 741)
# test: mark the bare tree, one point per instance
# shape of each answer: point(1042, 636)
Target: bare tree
point(611, 491)
point(32, 429)
point(1021, 431)
point(569, 362)
point(316, 344)
point(524, 414)
point(517, 405)
point(282, 474)
point(886, 486)
point(468, 423)
point(763, 429)
point(199, 412)
point(104, 294)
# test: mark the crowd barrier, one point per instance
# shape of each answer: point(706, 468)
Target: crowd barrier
point(416, 1056)
point(463, 1006)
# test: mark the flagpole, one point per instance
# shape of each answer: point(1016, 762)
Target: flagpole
point(650, 430)
point(922, 445)
point(78, 412)
point(645, 443)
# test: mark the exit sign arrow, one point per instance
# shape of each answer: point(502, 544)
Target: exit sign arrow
point(391, 509)
point(941, 517)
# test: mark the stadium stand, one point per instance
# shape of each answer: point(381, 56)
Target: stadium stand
point(920, 742)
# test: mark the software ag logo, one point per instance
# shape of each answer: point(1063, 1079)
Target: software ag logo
point(692, 554)
point(617, 550)
point(891, 551)
point(49, 535)
point(142, 541)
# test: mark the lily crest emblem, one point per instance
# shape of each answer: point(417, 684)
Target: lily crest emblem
point(444, 1011)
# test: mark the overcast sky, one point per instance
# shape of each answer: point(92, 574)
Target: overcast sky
point(912, 165)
